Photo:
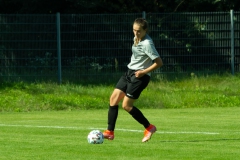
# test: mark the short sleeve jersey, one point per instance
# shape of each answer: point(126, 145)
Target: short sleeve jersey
point(143, 54)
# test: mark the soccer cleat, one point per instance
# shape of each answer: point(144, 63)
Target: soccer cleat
point(108, 135)
point(149, 132)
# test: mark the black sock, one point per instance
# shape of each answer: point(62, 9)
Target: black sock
point(112, 117)
point(138, 116)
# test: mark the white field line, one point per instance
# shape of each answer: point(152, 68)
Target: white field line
point(91, 128)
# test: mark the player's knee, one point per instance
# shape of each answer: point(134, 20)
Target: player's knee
point(126, 107)
point(114, 99)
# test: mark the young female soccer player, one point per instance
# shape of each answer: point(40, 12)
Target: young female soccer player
point(144, 60)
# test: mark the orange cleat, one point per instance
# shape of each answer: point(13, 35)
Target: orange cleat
point(108, 135)
point(149, 132)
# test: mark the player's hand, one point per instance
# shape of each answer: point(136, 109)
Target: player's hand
point(139, 74)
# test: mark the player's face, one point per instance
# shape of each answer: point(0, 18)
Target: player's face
point(138, 31)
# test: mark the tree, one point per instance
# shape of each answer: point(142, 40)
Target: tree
point(117, 6)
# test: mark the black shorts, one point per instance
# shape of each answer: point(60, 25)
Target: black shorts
point(131, 85)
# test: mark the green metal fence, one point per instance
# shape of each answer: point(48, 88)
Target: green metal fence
point(196, 42)
point(73, 47)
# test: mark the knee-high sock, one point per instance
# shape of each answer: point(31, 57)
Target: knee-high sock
point(138, 116)
point(112, 117)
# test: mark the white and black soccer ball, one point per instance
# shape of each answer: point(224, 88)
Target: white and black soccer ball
point(95, 137)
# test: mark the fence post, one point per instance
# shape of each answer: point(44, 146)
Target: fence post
point(144, 14)
point(232, 40)
point(59, 48)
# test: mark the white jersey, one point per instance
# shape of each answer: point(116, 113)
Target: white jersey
point(143, 54)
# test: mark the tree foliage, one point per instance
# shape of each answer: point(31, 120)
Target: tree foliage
point(117, 6)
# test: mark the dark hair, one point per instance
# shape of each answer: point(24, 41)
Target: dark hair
point(142, 22)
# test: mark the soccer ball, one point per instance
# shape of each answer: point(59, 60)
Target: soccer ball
point(95, 137)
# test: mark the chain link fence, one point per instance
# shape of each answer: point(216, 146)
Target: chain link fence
point(98, 47)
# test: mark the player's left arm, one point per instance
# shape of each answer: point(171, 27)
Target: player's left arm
point(156, 64)
point(153, 54)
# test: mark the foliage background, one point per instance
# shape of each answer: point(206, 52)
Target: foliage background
point(117, 6)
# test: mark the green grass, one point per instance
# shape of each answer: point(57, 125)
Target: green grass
point(183, 134)
point(196, 117)
point(191, 92)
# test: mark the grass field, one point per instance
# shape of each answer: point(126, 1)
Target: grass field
point(185, 134)
point(197, 118)
point(191, 92)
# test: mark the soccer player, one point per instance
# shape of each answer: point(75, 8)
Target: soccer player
point(144, 60)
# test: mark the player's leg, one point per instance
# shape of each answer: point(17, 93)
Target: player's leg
point(138, 116)
point(134, 111)
point(133, 92)
point(115, 98)
point(117, 95)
